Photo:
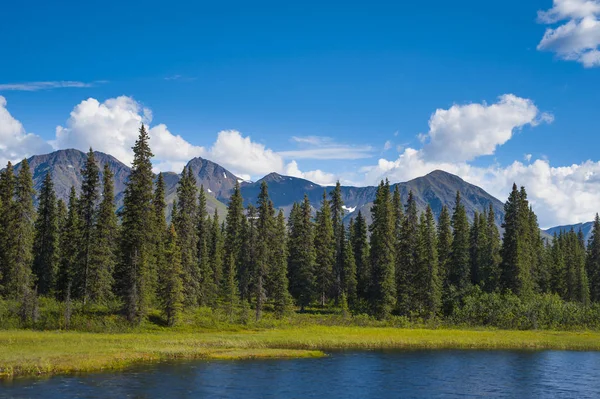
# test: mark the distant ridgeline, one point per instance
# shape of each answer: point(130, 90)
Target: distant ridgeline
point(435, 189)
point(422, 249)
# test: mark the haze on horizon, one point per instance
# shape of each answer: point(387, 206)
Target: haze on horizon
point(493, 93)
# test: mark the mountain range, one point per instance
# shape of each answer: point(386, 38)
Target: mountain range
point(586, 228)
point(436, 189)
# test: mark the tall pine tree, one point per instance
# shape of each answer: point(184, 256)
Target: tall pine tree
point(383, 287)
point(234, 235)
point(185, 226)
point(170, 280)
point(281, 297)
point(20, 254)
point(407, 251)
point(103, 255)
point(87, 216)
point(593, 261)
point(7, 198)
point(337, 217)
point(459, 270)
point(133, 282)
point(427, 277)
point(207, 284)
point(325, 250)
point(302, 256)
point(362, 257)
point(47, 235)
point(69, 249)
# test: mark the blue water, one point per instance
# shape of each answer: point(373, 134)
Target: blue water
point(367, 374)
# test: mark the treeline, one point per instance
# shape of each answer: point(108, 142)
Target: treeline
point(404, 263)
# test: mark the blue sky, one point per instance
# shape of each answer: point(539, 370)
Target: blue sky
point(317, 89)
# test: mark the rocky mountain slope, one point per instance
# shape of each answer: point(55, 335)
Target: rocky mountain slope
point(438, 188)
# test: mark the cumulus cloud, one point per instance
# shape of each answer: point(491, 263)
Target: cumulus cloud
point(577, 36)
point(465, 132)
point(15, 142)
point(316, 176)
point(112, 127)
point(559, 195)
point(240, 153)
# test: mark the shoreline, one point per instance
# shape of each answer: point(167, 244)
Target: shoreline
point(37, 353)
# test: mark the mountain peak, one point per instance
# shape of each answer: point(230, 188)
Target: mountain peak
point(216, 179)
point(442, 174)
point(271, 177)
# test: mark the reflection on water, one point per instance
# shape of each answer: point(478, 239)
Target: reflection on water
point(369, 374)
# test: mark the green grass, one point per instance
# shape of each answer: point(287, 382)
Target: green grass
point(26, 352)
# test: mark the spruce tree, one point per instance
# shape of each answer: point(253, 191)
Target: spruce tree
point(302, 256)
point(349, 269)
point(407, 258)
point(170, 280)
point(558, 275)
point(281, 297)
point(265, 231)
point(337, 217)
point(577, 289)
point(476, 244)
point(47, 235)
point(516, 266)
point(20, 254)
point(459, 270)
point(208, 286)
point(69, 248)
point(539, 268)
point(249, 255)
point(234, 234)
point(325, 251)
point(7, 194)
point(159, 235)
point(133, 281)
point(185, 226)
point(87, 216)
point(103, 255)
point(362, 257)
point(490, 266)
point(593, 261)
point(383, 286)
point(61, 216)
point(444, 246)
point(427, 279)
point(215, 257)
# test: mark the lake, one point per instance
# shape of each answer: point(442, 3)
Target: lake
point(365, 374)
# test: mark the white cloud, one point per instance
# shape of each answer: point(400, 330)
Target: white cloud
point(465, 132)
point(578, 37)
point(316, 176)
point(36, 86)
point(112, 127)
point(325, 148)
point(388, 145)
point(241, 154)
point(559, 195)
point(15, 142)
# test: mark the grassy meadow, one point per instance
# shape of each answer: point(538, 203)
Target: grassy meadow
point(27, 352)
point(98, 338)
